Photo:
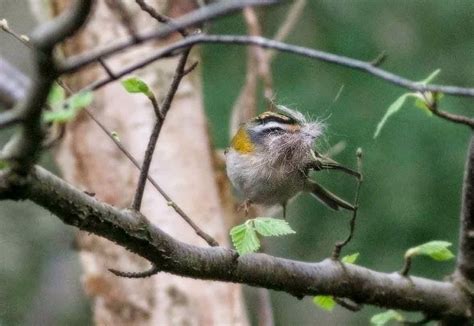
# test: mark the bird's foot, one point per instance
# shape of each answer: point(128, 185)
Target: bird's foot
point(245, 206)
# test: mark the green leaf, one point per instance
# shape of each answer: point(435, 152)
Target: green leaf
point(56, 95)
point(385, 317)
point(79, 101)
point(61, 116)
point(430, 77)
point(136, 85)
point(392, 109)
point(244, 238)
point(268, 226)
point(350, 259)
point(325, 302)
point(69, 109)
point(437, 250)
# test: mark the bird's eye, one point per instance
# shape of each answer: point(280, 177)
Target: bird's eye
point(273, 130)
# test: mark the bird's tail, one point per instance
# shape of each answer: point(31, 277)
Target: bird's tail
point(327, 197)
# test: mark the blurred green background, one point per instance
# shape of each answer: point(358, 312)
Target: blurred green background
point(413, 171)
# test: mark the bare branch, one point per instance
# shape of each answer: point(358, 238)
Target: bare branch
point(118, 9)
point(338, 247)
point(132, 231)
point(159, 17)
point(465, 263)
point(24, 147)
point(178, 76)
point(201, 15)
point(292, 17)
point(364, 66)
point(13, 84)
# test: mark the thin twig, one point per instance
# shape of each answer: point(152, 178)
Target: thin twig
point(152, 271)
point(211, 241)
point(178, 76)
point(364, 66)
point(117, 8)
point(10, 118)
point(406, 266)
point(159, 17)
point(291, 19)
point(431, 101)
point(20, 37)
point(339, 245)
point(349, 305)
point(201, 15)
point(107, 69)
point(259, 54)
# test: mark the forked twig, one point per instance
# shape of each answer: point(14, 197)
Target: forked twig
point(339, 245)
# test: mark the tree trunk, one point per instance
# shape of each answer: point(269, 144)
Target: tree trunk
point(182, 165)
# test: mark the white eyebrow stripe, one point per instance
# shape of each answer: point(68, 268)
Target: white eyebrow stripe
point(270, 125)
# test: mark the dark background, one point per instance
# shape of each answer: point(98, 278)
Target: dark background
point(413, 171)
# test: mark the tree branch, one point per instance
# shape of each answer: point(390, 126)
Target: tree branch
point(132, 231)
point(23, 149)
point(201, 15)
point(465, 263)
point(364, 66)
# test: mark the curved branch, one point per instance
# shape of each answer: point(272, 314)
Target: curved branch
point(364, 66)
point(196, 17)
point(133, 232)
point(24, 147)
point(465, 263)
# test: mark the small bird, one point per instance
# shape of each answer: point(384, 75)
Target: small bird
point(270, 158)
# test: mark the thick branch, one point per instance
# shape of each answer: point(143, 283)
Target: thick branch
point(216, 263)
point(465, 264)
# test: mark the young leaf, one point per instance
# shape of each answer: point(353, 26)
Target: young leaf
point(430, 77)
point(421, 104)
point(69, 108)
point(79, 101)
point(385, 317)
point(244, 238)
point(325, 302)
point(56, 95)
point(437, 250)
point(115, 135)
point(136, 85)
point(350, 259)
point(392, 109)
point(61, 116)
point(268, 226)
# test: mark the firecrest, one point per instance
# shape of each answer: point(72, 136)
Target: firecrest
point(271, 156)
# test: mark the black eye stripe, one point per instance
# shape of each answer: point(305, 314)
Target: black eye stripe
point(272, 129)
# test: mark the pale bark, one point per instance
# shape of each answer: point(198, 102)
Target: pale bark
point(183, 167)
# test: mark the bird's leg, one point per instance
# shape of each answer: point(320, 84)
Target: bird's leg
point(325, 163)
point(245, 206)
